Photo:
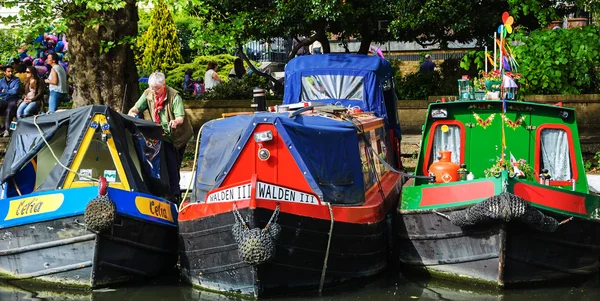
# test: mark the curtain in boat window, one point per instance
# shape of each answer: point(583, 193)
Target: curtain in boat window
point(332, 87)
point(449, 140)
point(555, 155)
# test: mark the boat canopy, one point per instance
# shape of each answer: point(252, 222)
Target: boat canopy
point(324, 147)
point(349, 79)
point(66, 130)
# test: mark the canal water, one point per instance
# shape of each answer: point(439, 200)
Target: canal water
point(385, 287)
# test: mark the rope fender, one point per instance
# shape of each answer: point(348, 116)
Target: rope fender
point(505, 207)
point(255, 246)
point(100, 214)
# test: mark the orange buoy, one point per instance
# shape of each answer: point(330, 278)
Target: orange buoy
point(445, 171)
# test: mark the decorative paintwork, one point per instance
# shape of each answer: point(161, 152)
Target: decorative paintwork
point(514, 124)
point(484, 123)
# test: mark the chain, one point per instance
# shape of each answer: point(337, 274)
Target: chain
point(237, 216)
point(273, 218)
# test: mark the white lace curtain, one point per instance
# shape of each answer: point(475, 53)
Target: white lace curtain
point(332, 87)
point(449, 140)
point(555, 156)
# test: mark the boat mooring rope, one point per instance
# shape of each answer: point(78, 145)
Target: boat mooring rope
point(187, 190)
point(54, 155)
point(324, 270)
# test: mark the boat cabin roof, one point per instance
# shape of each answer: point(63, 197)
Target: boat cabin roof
point(351, 80)
point(92, 139)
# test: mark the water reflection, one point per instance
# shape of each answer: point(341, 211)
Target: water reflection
point(384, 288)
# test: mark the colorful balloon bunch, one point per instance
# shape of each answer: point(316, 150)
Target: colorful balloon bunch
point(43, 45)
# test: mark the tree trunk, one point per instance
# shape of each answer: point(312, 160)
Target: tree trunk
point(110, 77)
point(322, 38)
point(366, 39)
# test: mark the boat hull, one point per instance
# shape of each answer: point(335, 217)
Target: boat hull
point(497, 253)
point(210, 260)
point(62, 252)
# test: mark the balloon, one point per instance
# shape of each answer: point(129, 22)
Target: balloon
point(377, 51)
point(65, 43)
point(41, 70)
point(59, 46)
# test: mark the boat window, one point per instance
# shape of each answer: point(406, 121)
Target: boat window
point(446, 137)
point(45, 160)
point(555, 154)
point(373, 169)
point(98, 162)
point(332, 87)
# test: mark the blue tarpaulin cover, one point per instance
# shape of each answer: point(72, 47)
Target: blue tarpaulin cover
point(372, 69)
point(326, 148)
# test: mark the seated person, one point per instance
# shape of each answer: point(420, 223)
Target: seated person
point(31, 103)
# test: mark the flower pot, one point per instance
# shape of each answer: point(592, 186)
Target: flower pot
point(493, 85)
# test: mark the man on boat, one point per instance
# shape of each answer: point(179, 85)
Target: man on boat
point(166, 108)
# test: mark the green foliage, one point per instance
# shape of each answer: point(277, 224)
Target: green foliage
point(500, 165)
point(198, 66)
point(474, 60)
point(9, 45)
point(160, 43)
point(237, 88)
point(188, 28)
point(422, 85)
point(429, 22)
point(419, 85)
point(593, 164)
point(560, 61)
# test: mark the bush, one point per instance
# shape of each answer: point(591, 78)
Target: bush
point(562, 61)
point(422, 85)
point(225, 62)
point(419, 85)
point(237, 89)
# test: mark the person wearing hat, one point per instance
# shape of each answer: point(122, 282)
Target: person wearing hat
point(9, 96)
point(427, 65)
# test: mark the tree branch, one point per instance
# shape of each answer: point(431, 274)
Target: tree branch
point(305, 42)
point(278, 85)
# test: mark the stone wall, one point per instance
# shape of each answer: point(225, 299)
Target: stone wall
point(412, 113)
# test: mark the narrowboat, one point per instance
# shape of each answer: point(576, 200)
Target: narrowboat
point(509, 203)
point(82, 202)
point(296, 198)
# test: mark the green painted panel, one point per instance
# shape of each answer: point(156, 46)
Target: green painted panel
point(483, 144)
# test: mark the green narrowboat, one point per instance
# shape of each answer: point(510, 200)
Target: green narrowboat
point(509, 201)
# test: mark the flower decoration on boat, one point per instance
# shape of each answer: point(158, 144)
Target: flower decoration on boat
point(513, 124)
point(523, 170)
point(484, 123)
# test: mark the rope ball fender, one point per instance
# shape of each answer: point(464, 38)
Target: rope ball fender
point(255, 246)
point(506, 207)
point(100, 212)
